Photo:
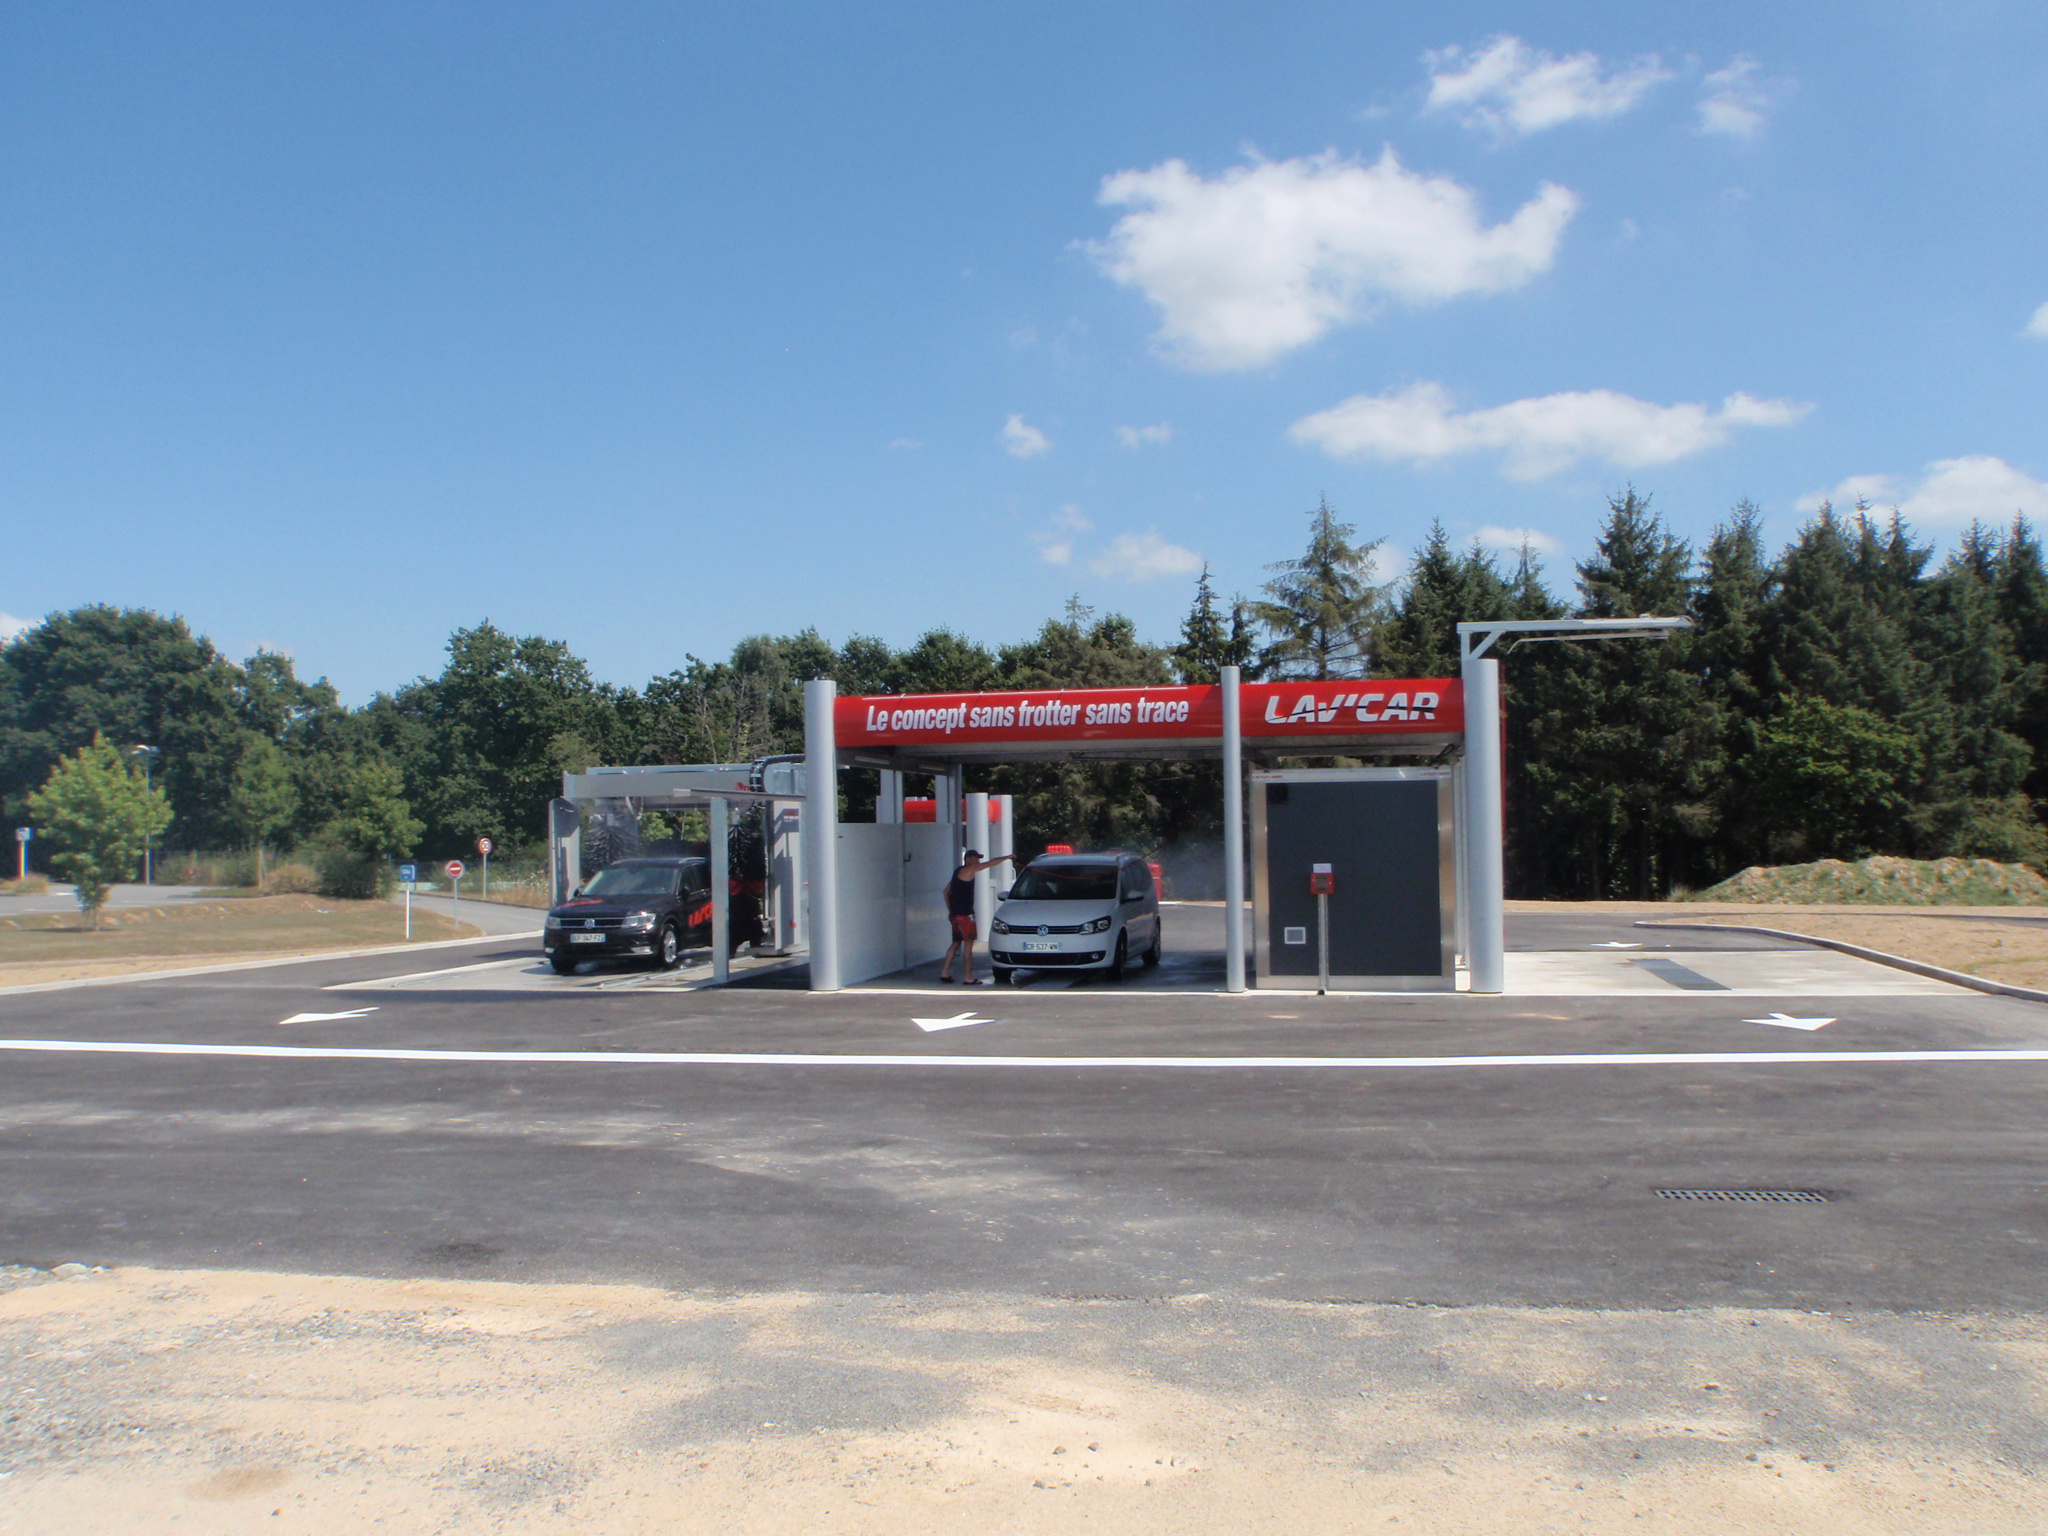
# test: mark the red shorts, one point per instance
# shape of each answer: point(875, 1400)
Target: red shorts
point(963, 930)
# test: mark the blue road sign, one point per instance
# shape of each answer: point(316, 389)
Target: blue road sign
point(408, 873)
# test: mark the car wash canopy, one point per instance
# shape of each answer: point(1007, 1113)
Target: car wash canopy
point(1419, 716)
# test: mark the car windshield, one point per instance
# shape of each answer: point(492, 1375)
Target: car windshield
point(1074, 882)
point(633, 880)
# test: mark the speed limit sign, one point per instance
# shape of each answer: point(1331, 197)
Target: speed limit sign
point(455, 869)
point(483, 845)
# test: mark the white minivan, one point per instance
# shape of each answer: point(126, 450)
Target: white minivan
point(1077, 911)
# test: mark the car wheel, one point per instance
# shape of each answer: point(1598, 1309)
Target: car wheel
point(669, 951)
point(1151, 956)
point(1006, 976)
point(564, 964)
point(1122, 957)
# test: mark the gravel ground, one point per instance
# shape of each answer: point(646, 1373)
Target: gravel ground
point(187, 1401)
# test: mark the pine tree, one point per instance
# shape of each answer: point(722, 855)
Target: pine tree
point(1207, 644)
point(1639, 730)
point(1323, 610)
point(1443, 590)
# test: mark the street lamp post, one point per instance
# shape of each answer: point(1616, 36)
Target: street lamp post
point(146, 753)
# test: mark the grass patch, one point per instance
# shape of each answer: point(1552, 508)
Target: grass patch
point(1885, 882)
point(251, 925)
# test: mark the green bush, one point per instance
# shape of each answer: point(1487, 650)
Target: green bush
point(350, 876)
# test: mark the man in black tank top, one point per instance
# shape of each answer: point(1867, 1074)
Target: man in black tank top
point(960, 912)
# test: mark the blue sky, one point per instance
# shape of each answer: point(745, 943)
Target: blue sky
point(647, 328)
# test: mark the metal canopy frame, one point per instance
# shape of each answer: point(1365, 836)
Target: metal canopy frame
point(715, 789)
point(1474, 640)
point(1485, 772)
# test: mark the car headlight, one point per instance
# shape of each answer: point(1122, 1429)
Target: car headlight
point(1101, 925)
point(997, 925)
point(552, 922)
point(638, 922)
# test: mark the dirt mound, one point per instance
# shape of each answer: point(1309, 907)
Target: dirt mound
point(1886, 882)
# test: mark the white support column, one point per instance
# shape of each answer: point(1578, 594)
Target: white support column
point(889, 799)
point(1002, 832)
point(977, 839)
point(946, 787)
point(1233, 835)
point(1459, 833)
point(720, 818)
point(1485, 879)
point(821, 830)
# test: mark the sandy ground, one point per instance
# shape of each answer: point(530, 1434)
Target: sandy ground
point(142, 1401)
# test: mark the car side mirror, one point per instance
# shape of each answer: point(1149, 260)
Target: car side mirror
point(575, 893)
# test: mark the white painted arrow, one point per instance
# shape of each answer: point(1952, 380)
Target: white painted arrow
point(958, 1021)
point(320, 1018)
point(1786, 1021)
point(1616, 944)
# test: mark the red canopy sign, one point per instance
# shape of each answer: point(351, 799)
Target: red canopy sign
point(1372, 707)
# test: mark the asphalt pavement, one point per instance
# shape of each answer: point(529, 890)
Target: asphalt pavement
point(1109, 1139)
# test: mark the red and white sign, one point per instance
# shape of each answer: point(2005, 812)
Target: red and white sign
point(1429, 706)
point(455, 869)
point(483, 846)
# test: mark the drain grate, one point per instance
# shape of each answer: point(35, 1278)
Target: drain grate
point(1791, 1196)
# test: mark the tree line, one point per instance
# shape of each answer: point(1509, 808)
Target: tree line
point(1845, 695)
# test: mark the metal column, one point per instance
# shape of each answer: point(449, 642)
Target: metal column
point(821, 830)
point(889, 798)
point(721, 890)
point(1233, 836)
point(1484, 875)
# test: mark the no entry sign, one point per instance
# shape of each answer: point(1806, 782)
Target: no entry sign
point(455, 869)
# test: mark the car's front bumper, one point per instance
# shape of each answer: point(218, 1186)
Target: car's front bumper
point(614, 945)
point(1070, 951)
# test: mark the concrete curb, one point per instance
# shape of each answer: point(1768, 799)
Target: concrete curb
point(255, 965)
point(1898, 962)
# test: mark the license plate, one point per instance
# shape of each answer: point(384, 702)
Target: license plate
point(586, 938)
point(1041, 947)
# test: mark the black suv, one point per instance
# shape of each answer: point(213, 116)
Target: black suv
point(634, 908)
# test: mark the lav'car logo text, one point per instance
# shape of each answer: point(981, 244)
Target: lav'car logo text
point(1308, 710)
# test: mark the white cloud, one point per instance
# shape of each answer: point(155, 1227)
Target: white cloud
point(1022, 441)
point(1514, 540)
point(1509, 88)
point(1144, 557)
point(1734, 101)
point(1056, 543)
point(1269, 256)
point(903, 442)
point(12, 628)
point(1140, 437)
point(2038, 326)
point(1539, 436)
point(1974, 488)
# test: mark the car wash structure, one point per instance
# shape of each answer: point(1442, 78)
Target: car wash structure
point(1391, 832)
point(752, 814)
point(1370, 879)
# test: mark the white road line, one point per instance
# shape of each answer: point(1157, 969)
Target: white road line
point(1070, 1063)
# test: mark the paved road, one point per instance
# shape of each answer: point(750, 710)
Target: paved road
point(927, 1166)
point(61, 898)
